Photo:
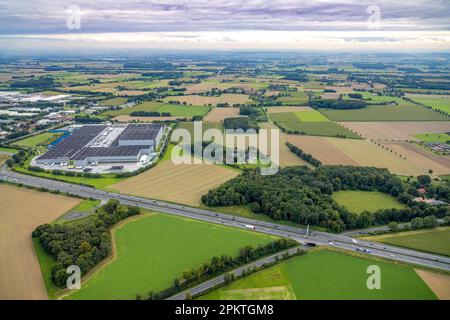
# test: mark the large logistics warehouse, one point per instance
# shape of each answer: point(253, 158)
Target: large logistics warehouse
point(105, 144)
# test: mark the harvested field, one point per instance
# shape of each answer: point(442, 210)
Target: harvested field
point(421, 157)
point(271, 110)
point(396, 130)
point(20, 274)
point(310, 123)
point(330, 95)
point(127, 118)
point(171, 182)
point(197, 100)
point(3, 158)
point(354, 152)
point(322, 149)
point(220, 114)
point(294, 98)
point(438, 283)
point(340, 89)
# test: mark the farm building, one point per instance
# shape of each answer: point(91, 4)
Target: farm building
point(105, 144)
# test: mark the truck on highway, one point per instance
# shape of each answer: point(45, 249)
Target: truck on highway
point(249, 226)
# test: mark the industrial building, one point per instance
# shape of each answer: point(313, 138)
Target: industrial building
point(94, 144)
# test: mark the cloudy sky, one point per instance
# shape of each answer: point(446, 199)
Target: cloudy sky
point(296, 24)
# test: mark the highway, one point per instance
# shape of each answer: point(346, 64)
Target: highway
point(315, 237)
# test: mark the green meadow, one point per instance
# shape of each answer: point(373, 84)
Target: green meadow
point(359, 201)
point(326, 275)
point(429, 240)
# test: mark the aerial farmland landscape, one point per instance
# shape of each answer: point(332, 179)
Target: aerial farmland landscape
point(245, 159)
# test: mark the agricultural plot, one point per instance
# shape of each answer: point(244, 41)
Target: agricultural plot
point(171, 182)
point(396, 130)
point(208, 85)
point(290, 121)
point(126, 118)
point(8, 150)
point(325, 274)
point(438, 102)
point(434, 137)
point(189, 126)
point(294, 98)
point(312, 85)
point(287, 158)
point(148, 106)
point(120, 87)
point(115, 102)
point(359, 201)
point(354, 152)
point(438, 283)
point(311, 116)
point(420, 157)
point(183, 111)
point(277, 109)
point(3, 158)
point(196, 100)
point(220, 114)
point(330, 95)
point(150, 246)
point(403, 112)
point(42, 139)
point(428, 240)
point(21, 276)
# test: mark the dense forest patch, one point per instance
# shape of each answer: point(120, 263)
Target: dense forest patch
point(304, 196)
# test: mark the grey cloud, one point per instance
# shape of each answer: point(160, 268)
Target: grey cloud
point(47, 16)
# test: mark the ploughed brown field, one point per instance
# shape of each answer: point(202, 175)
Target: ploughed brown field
point(335, 151)
point(184, 183)
point(420, 157)
point(21, 211)
point(396, 130)
point(220, 114)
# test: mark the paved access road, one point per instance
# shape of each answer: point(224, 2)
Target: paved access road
point(315, 237)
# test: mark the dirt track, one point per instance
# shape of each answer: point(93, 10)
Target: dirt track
point(21, 211)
